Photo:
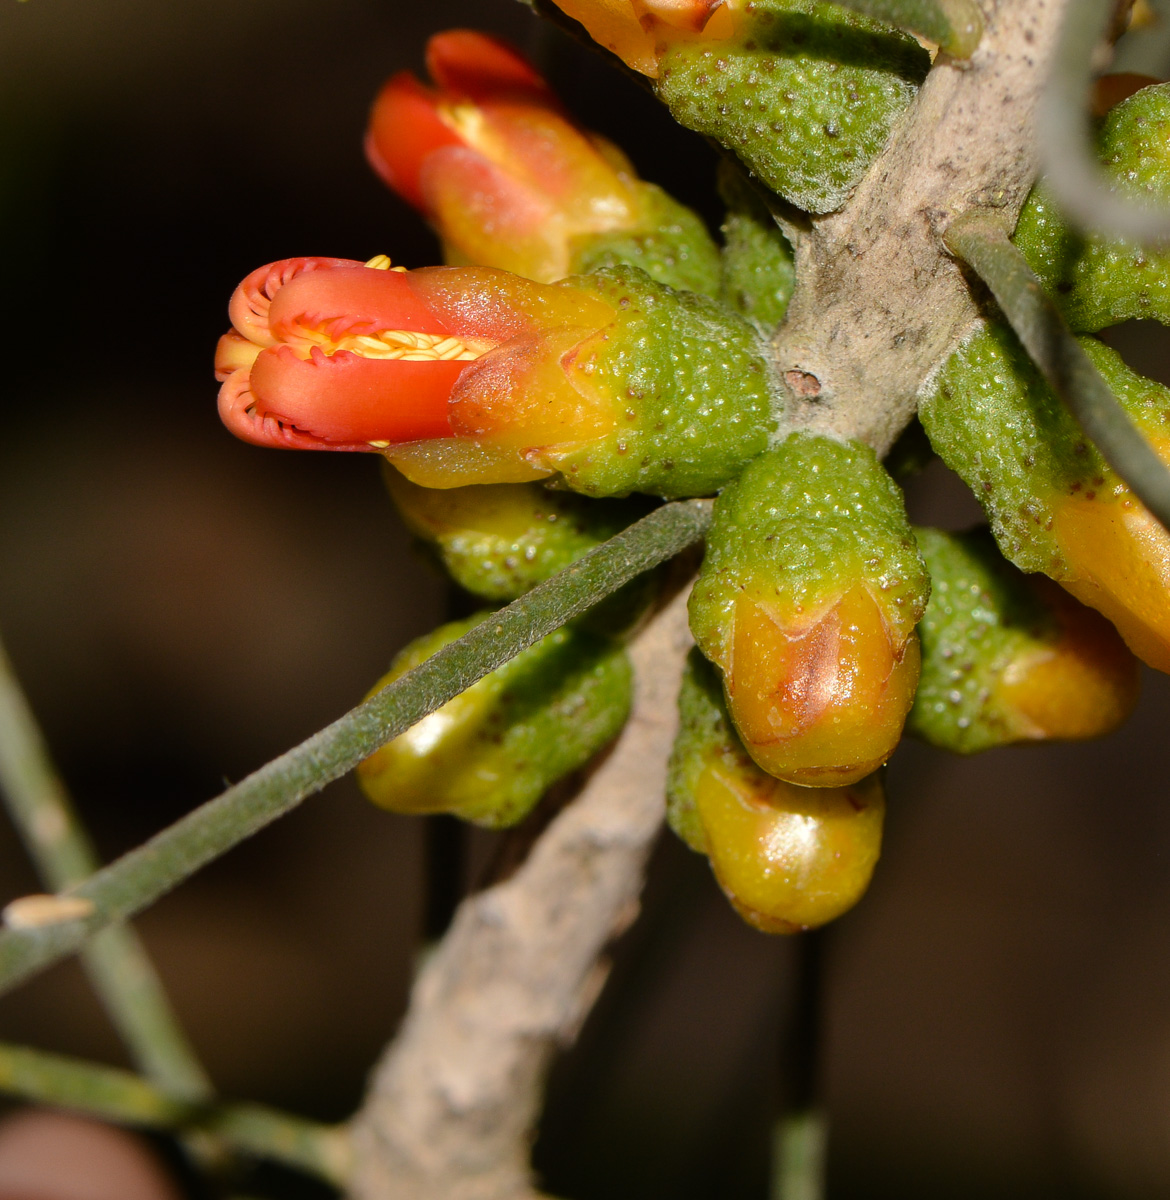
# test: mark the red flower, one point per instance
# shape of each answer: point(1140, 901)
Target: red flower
point(332, 354)
point(490, 158)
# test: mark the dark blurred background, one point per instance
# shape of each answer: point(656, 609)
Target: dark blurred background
point(182, 607)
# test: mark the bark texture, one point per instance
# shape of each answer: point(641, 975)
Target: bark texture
point(879, 302)
point(454, 1102)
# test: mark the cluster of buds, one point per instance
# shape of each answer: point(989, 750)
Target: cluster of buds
point(1054, 503)
point(491, 753)
point(587, 335)
point(807, 601)
point(789, 858)
point(488, 155)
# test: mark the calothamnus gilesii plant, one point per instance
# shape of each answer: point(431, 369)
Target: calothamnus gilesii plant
point(593, 386)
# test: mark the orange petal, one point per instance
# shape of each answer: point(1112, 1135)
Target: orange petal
point(251, 301)
point(351, 299)
point(346, 401)
point(405, 127)
point(479, 67)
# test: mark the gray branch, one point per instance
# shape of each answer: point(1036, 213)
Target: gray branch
point(879, 302)
point(454, 1102)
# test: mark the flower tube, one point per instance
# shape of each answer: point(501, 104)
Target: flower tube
point(466, 375)
point(787, 857)
point(1054, 504)
point(507, 180)
point(1008, 657)
point(489, 754)
point(807, 601)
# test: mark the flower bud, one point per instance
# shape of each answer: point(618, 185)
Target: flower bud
point(639, 31)
point(788, 857)
point(805, 94)
point(491, 753)
point(758, 271)
point(807, 601)
point(1054, 504)
point(508, 181)
point(1008, 657)
point(1099, 280)
point(465, 375)
point(500, 540)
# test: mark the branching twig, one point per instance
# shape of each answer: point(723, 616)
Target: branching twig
point(983, 243)
point(124, 1098)
point(116, 960)
point(453, 1104)
point(139, 878)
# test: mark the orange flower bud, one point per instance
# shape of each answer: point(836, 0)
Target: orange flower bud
point(1117, 560)
point(788, 857)
point(819, 700)
point(807, 600)
point(335, 354)
point(489, 156)
point(640, 31)
point(507, 180)
point(470, 375)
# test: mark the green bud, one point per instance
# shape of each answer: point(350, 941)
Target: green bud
point(758, 270)
point(671, 245)
point(1096, 280)
point(491, 753)
point(1008, 657)
point(788, 857)
point(806, 97)
point(499, 540)
point(691, 390)
point(807, 601)
point(1054, 504)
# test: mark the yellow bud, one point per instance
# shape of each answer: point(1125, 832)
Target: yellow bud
point(1118, 562)
point(789, 858)
point(819, 701)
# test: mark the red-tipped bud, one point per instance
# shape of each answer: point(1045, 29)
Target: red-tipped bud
point(640, 31)
point(491, 160)
point(334, 354)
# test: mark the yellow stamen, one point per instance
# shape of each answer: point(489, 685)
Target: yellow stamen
point(415, 347)
point(381, 262)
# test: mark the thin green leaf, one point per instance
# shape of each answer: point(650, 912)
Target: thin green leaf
point(983, 243)
point(116, 960)
point(955, 26)
point(1081, 187)
point(143, 875)
point(119, 1096)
